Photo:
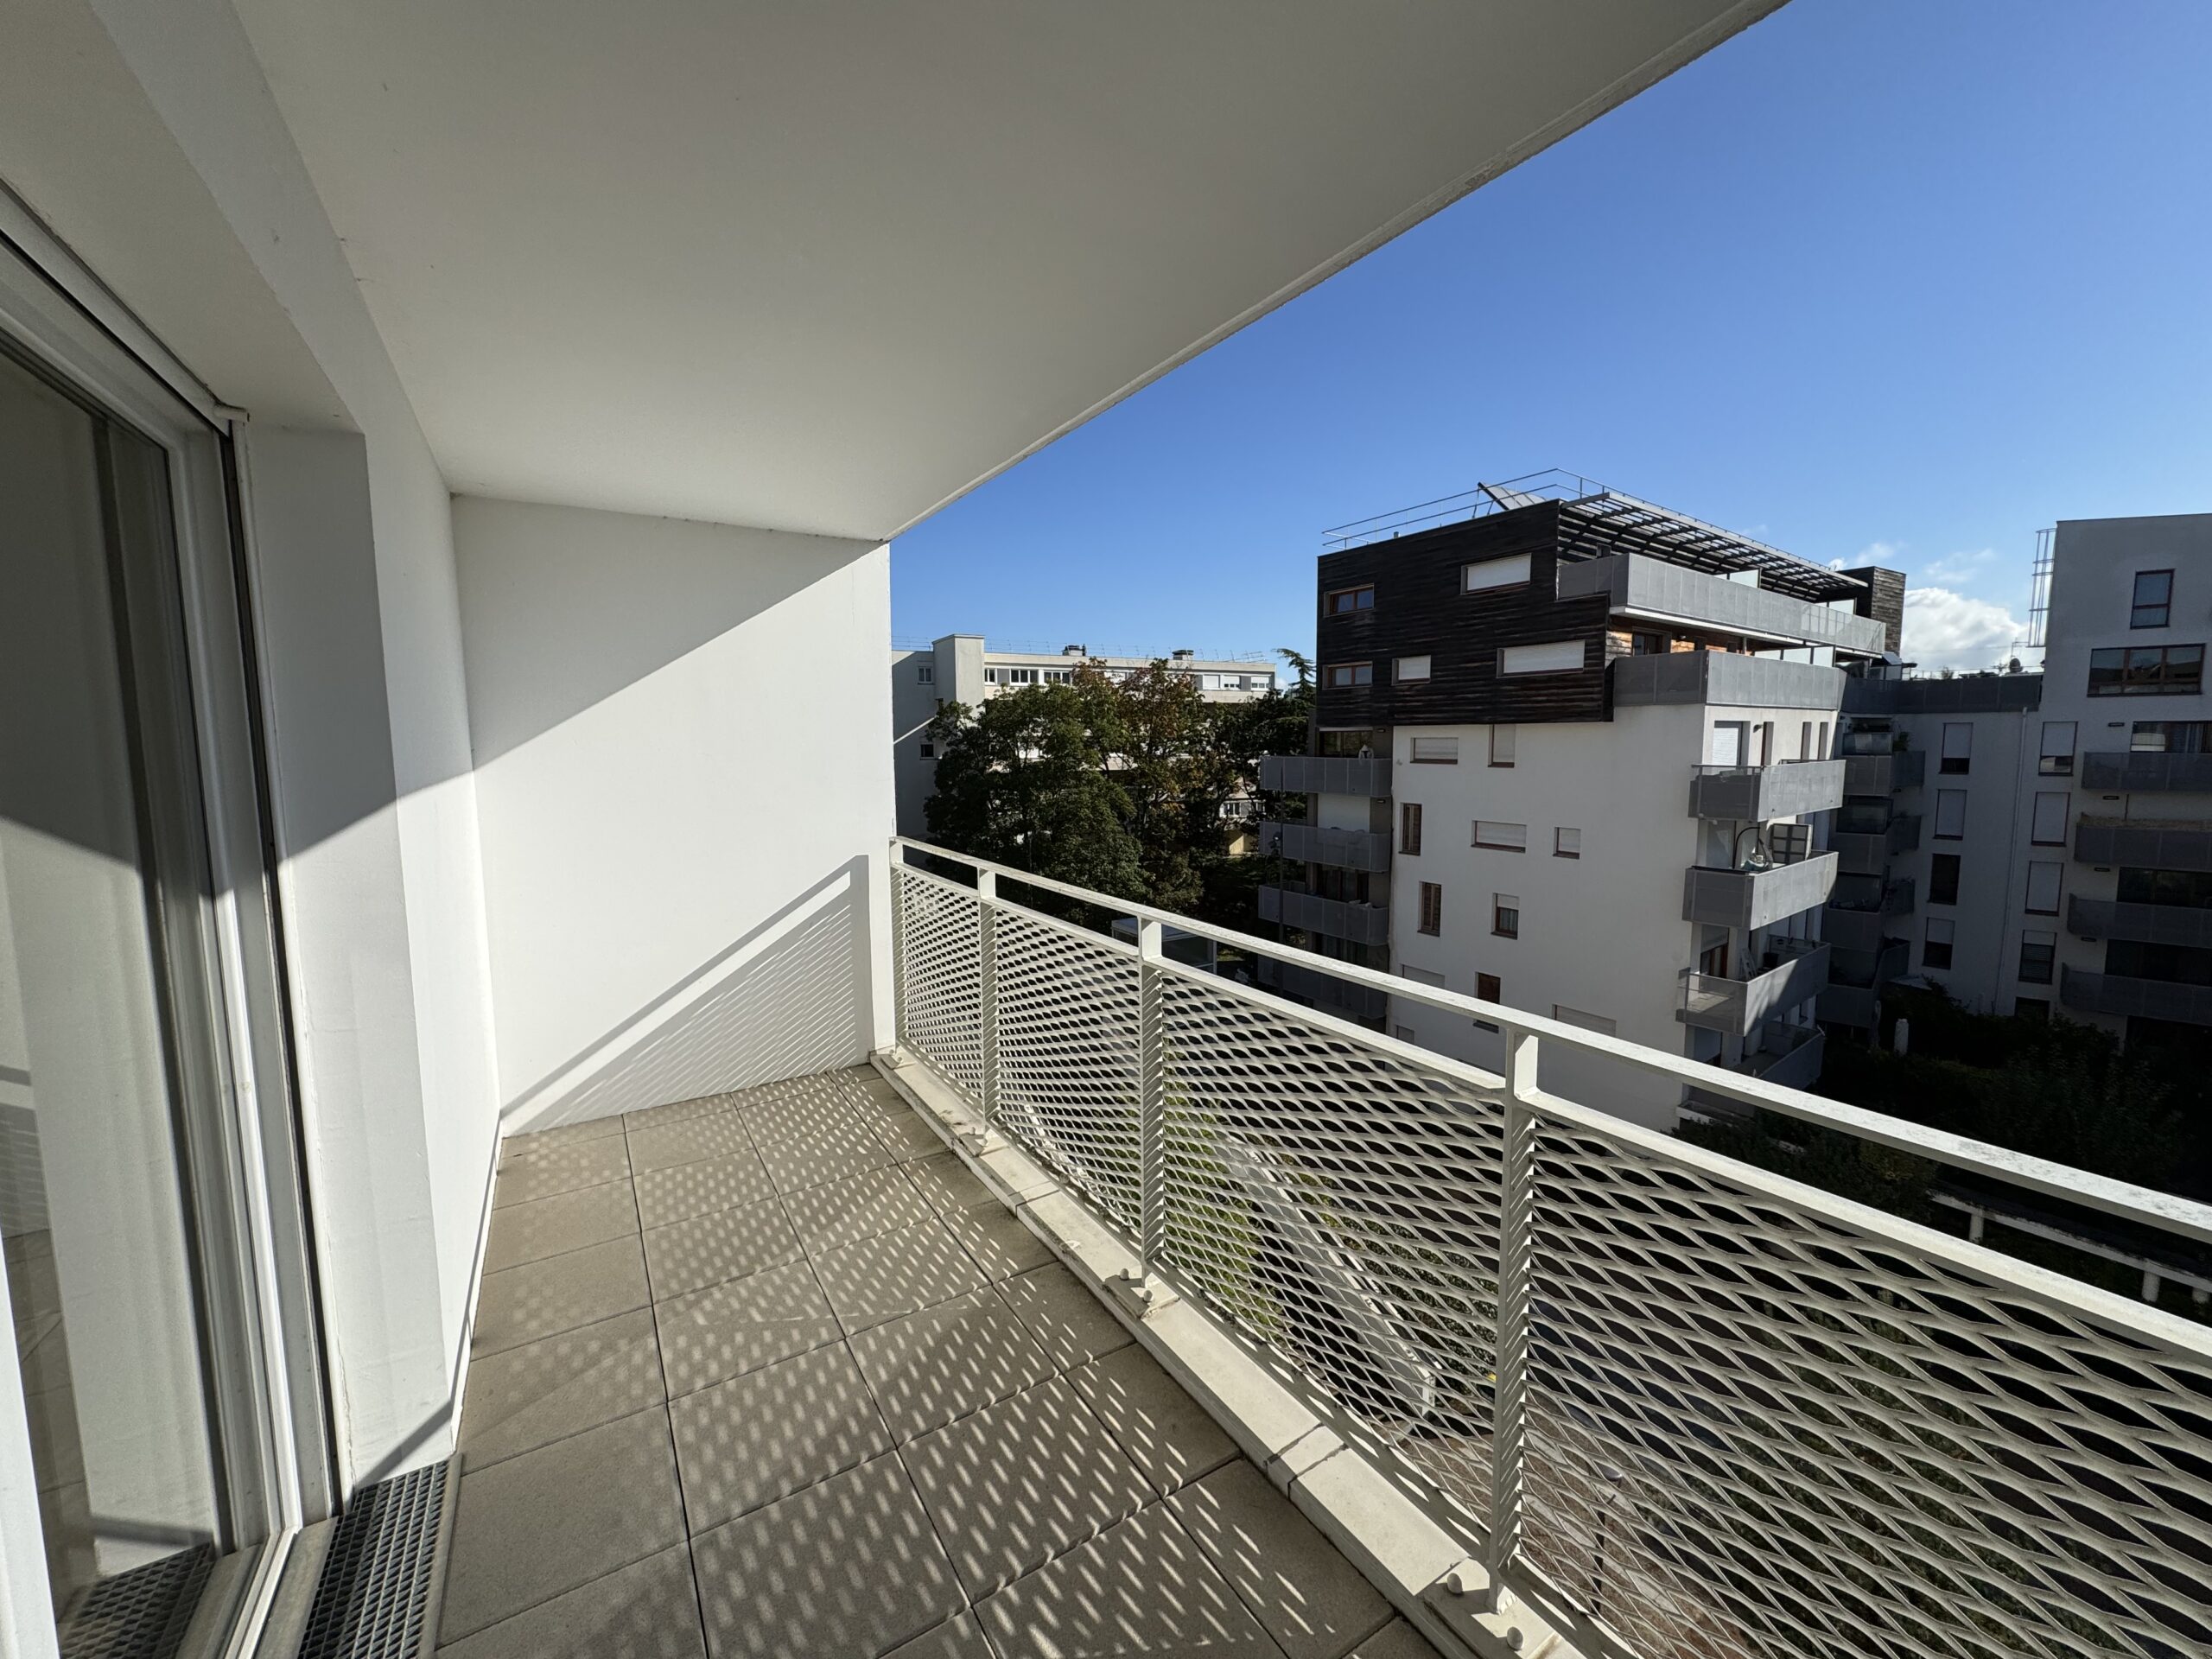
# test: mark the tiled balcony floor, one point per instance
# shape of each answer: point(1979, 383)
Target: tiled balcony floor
point(773, 1374)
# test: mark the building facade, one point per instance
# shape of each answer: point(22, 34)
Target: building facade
point(2130, 829)
point(1575, 756)
point(961, 668)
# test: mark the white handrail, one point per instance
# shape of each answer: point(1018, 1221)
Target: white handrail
point(2167, 1210)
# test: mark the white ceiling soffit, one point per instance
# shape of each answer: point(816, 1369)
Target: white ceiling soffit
point(826, 264)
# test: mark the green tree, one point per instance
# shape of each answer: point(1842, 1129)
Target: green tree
point(1023, 780)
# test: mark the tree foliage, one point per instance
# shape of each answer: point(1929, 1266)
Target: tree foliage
point(1113, 784)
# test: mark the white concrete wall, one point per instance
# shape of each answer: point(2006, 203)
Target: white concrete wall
point(684, 797)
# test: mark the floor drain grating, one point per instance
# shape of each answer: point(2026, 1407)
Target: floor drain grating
point(375, 1589)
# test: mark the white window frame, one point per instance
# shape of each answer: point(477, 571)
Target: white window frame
point(2046, 883)
point(1506, 837)
point(1429, 749)
point(1548, 657)
point(1410, 670)
point(2047, 817)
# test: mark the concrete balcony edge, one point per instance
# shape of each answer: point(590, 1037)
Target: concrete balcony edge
point(1409, 1558)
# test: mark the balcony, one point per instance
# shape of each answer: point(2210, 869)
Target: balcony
point(1863, 853)
point(2094, 918)
point(1724, 678)
point(1339, 849)
point(1383, 1235)
point(2122, 771)
point(2145, 998)
point(1789, 788)
point(1884, 773)
point(1785, 1056)
point(1658, 588)
point(2144, 843)
point(1789, 971)
point(1750, 898)
point(1367, 775)
point(1335, 919)
point(1325, 990)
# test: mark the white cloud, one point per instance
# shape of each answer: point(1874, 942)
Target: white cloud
point(1944, 628)
point(1960, 568)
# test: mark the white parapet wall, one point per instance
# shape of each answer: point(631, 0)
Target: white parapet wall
point(684, 792)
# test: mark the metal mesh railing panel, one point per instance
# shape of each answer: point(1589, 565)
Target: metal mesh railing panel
point(941, 978)
point(1753, 1433)
point(1067, 1058)
point(1339, 1204)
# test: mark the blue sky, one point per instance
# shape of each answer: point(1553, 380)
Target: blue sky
point(1874, 281)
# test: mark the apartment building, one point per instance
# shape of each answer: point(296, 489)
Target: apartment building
point(1575, 757)
point(2123, 842)
point(2045, 830)
point(961, 668)
point(1941, 874)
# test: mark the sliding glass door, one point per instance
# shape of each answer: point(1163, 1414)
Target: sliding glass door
point(143, 1260)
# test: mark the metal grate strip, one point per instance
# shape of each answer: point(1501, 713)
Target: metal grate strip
point(374, 1593)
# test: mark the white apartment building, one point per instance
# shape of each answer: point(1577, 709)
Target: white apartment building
point(2047, 829)
point(1951, 832)
point(961, 668)
point(2130, 924)
point(1599, 738)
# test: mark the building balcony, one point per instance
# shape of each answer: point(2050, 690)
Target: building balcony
point(2144, 843)
point(1656, 589)
point(1335, 919)
point(1206, 1157)
point(1784, 1056)
point(1331, 993)
point(1789, 788)
point(1725, 680)
point(1863, 853)
point(1367, 775)
point(1883, 773)
point(1856, 978)
point(2095, 919)
point(1858, 931)
point(1760, 897)
point(1367, 850)
point(2145, 998)
point(2123, 771)
point(1786, 973)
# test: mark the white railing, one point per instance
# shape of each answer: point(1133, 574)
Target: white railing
point(1682, 1406)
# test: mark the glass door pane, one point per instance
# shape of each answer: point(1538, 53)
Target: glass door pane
point(104, 1267)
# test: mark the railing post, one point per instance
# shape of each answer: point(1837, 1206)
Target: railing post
point(898, 890)
point(1152, 1103)
point(1515, 1250)
point(987, 899)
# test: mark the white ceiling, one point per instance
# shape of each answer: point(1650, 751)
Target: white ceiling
point(824, 264)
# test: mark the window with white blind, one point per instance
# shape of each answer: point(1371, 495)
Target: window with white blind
point(1510, 572)
point(1505, 915)
point(1502, 742)
point(2048, 826)
point(1935, 948)
point(1422, 975)
point(1501, 837)
point(2043, 882)
point(1958, 746)
point(1567, 842)
point(1950, 813)
point(2057, 756)
point(1411, 668)
point(1436, 751)
point(1553, 657)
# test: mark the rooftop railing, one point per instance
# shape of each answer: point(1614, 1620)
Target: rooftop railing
point(1680, 1406)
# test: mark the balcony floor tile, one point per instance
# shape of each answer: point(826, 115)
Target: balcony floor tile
point(561, 1385)
point(888, 1421)
point(537, 1525)
point(542, 1299)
